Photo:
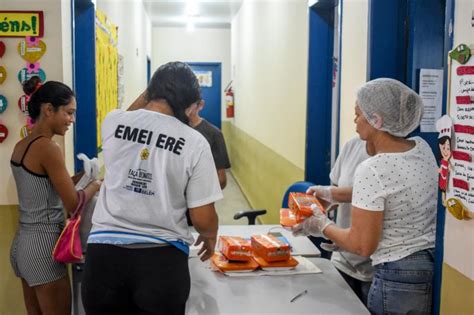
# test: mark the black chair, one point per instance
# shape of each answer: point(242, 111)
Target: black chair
point(251, 215)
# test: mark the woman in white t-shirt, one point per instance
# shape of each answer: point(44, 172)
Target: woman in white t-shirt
point(394, 201)
point(156, 167)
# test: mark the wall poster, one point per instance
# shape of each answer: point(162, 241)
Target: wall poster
point(106, 69)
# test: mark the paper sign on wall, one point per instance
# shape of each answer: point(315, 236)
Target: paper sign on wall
point(204, 77)
point(21, 23)
point(461, 101)
point(431, 91)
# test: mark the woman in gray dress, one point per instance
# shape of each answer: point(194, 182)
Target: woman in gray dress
point(44, 188)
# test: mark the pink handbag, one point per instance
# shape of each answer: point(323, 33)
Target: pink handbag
point(68, 247)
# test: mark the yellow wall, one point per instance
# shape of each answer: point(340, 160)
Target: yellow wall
point(262, 174)
point(457, 292)
point(11, 298)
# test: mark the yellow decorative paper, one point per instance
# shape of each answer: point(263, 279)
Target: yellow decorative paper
point(31, 54)
point(106, 69)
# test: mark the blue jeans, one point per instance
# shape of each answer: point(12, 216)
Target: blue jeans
point(403, 286)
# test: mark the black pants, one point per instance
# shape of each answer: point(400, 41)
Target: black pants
point(121, 280)
point(360, 288)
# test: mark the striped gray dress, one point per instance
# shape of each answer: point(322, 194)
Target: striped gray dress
point(41, 223)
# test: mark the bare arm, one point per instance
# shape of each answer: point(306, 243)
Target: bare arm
point(363, 237)
point(53, 162)
point(222, 178)
point(139, 102)
point(77, 177)
point(342, 194)
point(205, 222)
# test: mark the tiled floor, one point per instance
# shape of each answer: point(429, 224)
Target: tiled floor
point(234, 201)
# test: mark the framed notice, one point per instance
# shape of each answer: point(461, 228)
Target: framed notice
point(204, 77)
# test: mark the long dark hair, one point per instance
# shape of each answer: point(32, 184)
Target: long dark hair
point(53, 92)
point(176, 83)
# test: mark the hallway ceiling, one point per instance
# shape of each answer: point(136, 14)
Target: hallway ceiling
point(210, 13)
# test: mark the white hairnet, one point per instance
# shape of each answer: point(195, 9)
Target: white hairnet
point(398, 105)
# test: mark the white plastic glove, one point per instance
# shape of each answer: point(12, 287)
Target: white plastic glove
point(329, 247)
point(323, 192)
point(314, 225)
point(91, 171)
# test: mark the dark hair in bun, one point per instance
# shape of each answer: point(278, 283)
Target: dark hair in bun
point(53, 92)
point(176, 83)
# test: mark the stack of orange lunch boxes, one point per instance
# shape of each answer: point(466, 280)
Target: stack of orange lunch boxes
point(237, 254)
point(299, 209)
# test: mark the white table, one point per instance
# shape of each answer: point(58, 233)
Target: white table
point(215, 293)
point(300, 245)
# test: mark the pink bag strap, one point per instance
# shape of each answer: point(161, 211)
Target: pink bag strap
point(80, 205)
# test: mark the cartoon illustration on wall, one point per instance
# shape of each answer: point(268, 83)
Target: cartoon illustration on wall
point(444, 126)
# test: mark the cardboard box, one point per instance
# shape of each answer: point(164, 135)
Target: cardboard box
point(270, 248)
point(235, 248)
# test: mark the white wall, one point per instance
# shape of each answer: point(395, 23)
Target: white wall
point(201, 45)
point(67, 75)
point(354, 62)
point(269, 68)
point(134, 42)
point(56, 38)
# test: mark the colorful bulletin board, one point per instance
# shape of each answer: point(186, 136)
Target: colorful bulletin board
point(106, 69)
point(21, 23)
point(461, 110)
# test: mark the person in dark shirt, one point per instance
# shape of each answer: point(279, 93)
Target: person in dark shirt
point(214, 137)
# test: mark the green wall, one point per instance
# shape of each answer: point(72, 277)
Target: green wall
point(11, 295)
point(262, 174)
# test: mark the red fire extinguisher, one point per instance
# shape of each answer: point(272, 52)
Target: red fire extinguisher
point(229, 102)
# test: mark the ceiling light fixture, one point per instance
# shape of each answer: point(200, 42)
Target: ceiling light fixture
point(192, 12)
point(192, 8)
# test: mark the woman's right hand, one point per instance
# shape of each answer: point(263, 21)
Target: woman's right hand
point(208, 246)
point(92, 188)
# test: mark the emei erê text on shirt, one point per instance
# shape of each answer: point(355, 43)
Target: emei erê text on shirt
point(144, 136)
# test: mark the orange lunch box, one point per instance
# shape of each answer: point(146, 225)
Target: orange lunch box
point(288, 218)
point(289, 264)
point(235, 248)
point(301, 203)
point(225, 265)
point(270, 248)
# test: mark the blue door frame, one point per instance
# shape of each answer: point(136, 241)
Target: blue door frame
point(414, 34)
point(319, 120)
point(84, 82)
point(211, 95)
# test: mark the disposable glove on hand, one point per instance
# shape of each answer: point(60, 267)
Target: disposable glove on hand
point(314, 225)
point(323, 192)
point(329, 247)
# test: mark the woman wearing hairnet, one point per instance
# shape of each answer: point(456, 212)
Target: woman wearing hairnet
point(394, 201)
